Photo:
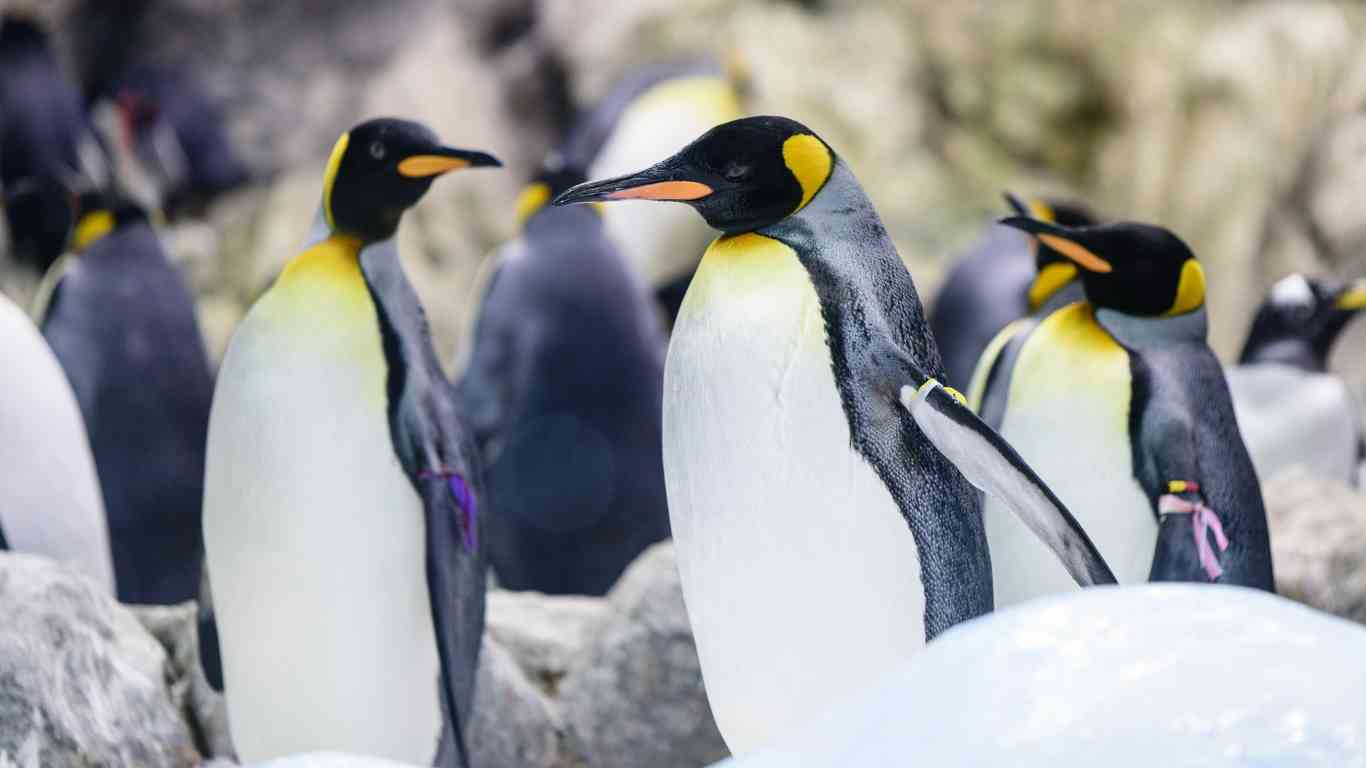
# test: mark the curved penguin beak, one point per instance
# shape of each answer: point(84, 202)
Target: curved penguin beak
point(1061, 239)
point(439, 160)
point(1354, 298)
point(665, 181)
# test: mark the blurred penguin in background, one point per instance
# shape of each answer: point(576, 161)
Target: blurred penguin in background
point(121, 320)
point(1292, 410)
point(1002, 278)
point(649, 114)
point(45, 140)
point(168, 121)
point(564, 394)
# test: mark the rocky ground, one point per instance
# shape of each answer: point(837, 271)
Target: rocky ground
point(564, 682)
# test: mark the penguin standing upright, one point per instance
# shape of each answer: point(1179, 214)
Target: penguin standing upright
point(49, 492)
point(821, 537)
point(652, 112)
point(1004, 277)
point(121, 319)
point(44, 136)
point(1123, 408)
point(563, 394)
point(1291, 409)
point(341, 501)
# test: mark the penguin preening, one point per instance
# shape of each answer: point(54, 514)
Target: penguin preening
point(1123, 408)
point(1291, 409)
point(50, 500)
point(121, 320)
point(1004, 277)
point(563, 393)
point(647, 115)
point(821, 533)
point(342, 495)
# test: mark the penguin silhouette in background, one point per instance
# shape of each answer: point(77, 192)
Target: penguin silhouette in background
point(121, 319)
point(1291, 409)
point(179, 135)
point(1005, 276)
point(1122, 407)
point(342, 498)
point(651, 112)
point(563, 392)
point(817, 470)
point(50, 501)
point(45, 139)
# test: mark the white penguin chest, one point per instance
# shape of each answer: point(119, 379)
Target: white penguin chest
point(1291, 417)
point(315, 537)
point(1067, 414)
point(801, 577)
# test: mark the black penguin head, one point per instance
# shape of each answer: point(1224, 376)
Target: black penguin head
point(98, 213)
point(381, 168)
point(1300, 320)
point(1054, 270)
point(41, 211)
point(741, 176)
point(1137, 269)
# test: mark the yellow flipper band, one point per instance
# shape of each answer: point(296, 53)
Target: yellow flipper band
point(931, 383)
point(1183, 486)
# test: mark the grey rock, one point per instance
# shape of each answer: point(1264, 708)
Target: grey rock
point(514, 724)
point(81, 682)
point(543, 633)
point(1318, 541)
point(634, 695)
point(328, 760)
point(205, 710)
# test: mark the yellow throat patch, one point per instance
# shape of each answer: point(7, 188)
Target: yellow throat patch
point(1049, 281)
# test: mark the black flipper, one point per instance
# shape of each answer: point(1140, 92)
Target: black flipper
point(989, 463)
point(438, 455)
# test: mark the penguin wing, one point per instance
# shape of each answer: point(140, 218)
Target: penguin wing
point(990, 464)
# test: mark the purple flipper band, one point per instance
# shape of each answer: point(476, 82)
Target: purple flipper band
point(464, 501)
point(1203, 520)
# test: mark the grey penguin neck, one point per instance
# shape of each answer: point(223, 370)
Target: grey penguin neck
point(1152, 332)
point(1071, 293)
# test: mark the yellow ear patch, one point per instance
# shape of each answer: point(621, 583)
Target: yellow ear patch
point(90, 228)
point(532, 199)
point(1042, 211)
point(1190, 292)
point(809, 160)
point(330, 176)
point(1049, 281)
point(1354, 298)
point(1076, 252)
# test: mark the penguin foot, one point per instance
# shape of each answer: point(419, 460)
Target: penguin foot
point(464, 502)
point(1204, 521)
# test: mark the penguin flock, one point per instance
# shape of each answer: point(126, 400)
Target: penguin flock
point(750, 372)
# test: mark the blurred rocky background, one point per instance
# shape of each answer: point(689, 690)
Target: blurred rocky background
point(1240, 125)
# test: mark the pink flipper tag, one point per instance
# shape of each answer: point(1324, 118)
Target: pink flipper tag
point(1204, 520)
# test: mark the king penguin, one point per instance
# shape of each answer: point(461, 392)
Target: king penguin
point(1291, 409)
point(121, 319)
point(341, 501)
point(49, 491)
point(1123, 408)
point(563, 395)
point(1005, 276)
point(647, 115)
point(821, 534)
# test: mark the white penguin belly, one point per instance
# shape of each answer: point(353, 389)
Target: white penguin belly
point(315, 539)
point(801, 577)
point(1068, 415)
point(50, 499)
point(662, 242)
point(1290, 417)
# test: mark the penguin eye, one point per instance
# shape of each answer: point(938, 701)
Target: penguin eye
point(377, 150)
point(736, 171)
